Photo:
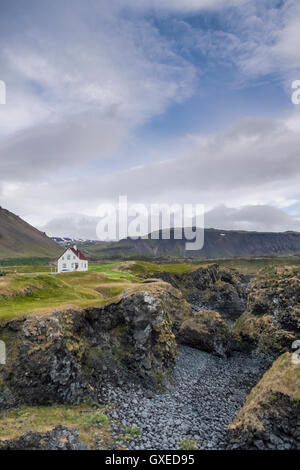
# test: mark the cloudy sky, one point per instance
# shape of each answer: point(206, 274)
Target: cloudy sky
point(173, 101)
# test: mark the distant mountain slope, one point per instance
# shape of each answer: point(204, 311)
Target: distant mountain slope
point(18, 239)
point(217, 244)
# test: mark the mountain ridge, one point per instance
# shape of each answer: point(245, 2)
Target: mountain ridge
point(20, 239)
point(217, 244)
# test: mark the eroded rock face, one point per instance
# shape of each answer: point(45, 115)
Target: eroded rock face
point(65, 356)
point(270, 417)
point(59, 438)
point(46, 366)
point(217, 297)
point(271, 322)
point(207, 331)
point(212, 288)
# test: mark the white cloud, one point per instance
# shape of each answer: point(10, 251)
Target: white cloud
point(76, 92)
point(82, 79)
point(182, 5)
point(43, 150)
point(255, 163)
point(262, 218)
point(270, 42)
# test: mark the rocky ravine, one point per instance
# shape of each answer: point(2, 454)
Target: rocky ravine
point(123, 354)
point(205, 398)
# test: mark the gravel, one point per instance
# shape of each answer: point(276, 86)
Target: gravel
point(206, 395)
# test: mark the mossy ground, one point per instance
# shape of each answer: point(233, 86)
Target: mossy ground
point(91, 422)
point(283, 378)
point(188, 444)
point(21, 294)
point(273, 292)
point(33, 290)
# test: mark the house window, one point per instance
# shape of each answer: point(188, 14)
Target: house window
point(64, 266)
point(68, 257)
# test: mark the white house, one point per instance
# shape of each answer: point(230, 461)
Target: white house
point(72, 260)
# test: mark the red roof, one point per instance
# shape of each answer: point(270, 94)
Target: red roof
point(79, 254)
point(76, 252)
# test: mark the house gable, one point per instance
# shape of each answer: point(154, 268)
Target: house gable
point(68, 253)
point(72, 260)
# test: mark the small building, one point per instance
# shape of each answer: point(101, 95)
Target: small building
point(72, 260)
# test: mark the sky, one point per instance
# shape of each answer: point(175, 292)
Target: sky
point(174, 101)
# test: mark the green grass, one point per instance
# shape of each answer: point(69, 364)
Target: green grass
point(145, 269)
point(130, 433)
point(243, 265)
point(254, 265)
point(17, 262)
point(21, 294)
point(111, 271)
point(26, 269)
point(85, 418)
point(188, 444)
point(32, 289)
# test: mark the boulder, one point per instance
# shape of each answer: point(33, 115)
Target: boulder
point(59, 438)
point(270, 417)
point(212, 288)
point(271, 322)
point(64, 357)
point(207, 331)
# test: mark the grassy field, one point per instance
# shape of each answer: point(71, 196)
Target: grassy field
point(23, 262)
point(87, 419)
point(31, 289)
point(34, 292)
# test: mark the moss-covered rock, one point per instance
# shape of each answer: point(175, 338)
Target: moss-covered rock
point(271, 321)
point(270, 417)
point(207, 331)
point(211, 288)
point(59, 438)
point(56, 427)
point(63, 357)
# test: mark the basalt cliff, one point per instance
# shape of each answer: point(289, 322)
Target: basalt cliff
point(77, 356)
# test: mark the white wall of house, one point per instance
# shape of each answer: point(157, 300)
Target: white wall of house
point(69, 262)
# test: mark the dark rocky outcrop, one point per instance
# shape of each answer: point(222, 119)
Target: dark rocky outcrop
point(271, 322)
point(63, 357)
point(270, 417)
point(212, 288)
point(207, 331)
point(217, 297)
point(59, 438)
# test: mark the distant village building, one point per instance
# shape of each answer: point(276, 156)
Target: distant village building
point(72, 260)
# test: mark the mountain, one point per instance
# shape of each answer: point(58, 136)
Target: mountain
point(18, 239)
point(217, 244)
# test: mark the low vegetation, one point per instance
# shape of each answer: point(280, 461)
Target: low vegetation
point(281, 381)
point(21, 294)
point(188, 444)
point(271, 320)
point(26, 289)
point(265, 325)
point(92, 423)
